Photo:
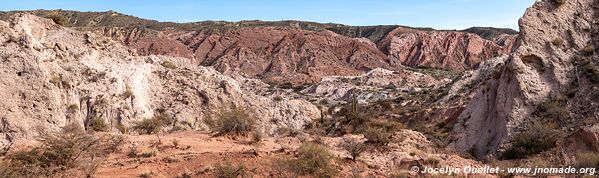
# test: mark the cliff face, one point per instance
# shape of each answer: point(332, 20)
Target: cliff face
point(452, 50)
point(53, 76)
point(293, 51)
point(542, 68)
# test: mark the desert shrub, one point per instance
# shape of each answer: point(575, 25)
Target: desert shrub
point(229, 171)
point(169, 65)
point(73, 107)
point(122, 128)
point(236, 121)
point(58, 19)
point(588, 50)
point(56, 80)
point(97, 124)
point(538, 138)
point(257, 137)
point(377, 136)
point(153, 125)
point(314, 159)
point(71, 149)
point(149, 174)
point(354, 147)
point(554, 109)
point(176, 143)
point(557, 42)
point(587, 160)
point(278, 98)
point(559, 2)
point(128, 92)
point(591, 70)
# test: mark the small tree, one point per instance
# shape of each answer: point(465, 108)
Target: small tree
point(354, 147)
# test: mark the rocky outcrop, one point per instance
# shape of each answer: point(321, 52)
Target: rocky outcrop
point(551, 35)
point(277, 55)
point(294, 51)
point(452, 50)
point(53, 76)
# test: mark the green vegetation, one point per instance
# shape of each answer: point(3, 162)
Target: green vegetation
point(57, 18)
point(559, 2)
point(97, 124)
point(70, 151)
point(557, 42)
point(377, 136)
point(538, 138)
point(153, 125)
point(229, 171)
point(169, 65)
point(234, 122)
point(588, 50)
point(73, 107)
point(312, 159)
point(128, 92)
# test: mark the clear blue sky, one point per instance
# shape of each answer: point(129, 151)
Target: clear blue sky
point(440, 14)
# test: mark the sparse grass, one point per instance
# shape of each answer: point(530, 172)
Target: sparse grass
point(229, 171)
point(234, 122)
point(149, 174)
point(538, 138)
point(72, 149)
point(256, 137)
point(97, 124)
point(587, 160)
point(354, 147)
point(169, 65)
point(554, 110)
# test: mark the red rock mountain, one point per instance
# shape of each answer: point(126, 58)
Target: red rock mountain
point(452, 50)
point(293, 51)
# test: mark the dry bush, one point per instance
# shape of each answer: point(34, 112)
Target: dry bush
point(538, 138)
point(128, 92)
point(234, 122)
point(312, 159)
point(377, 136)
point(69, 152)
point(153, 125)
point(169, 65)
point(557, 42)
point(559, 2)
point(229, 171)
point(97, 124)
point(354, 147)
point(58, 19)
point(588, 50)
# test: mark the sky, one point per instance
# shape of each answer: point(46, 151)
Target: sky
point(439, 14)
